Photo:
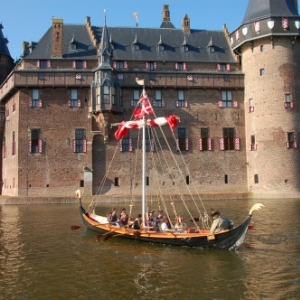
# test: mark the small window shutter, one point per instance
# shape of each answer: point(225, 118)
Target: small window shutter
point(251, 108)
point(78, 103)
point(30, 103)
point(221, 144)
point(84, 146)
point(152, 145)
point(237, 143)
point(120, 146)
point(185, 104)
point(218, 67)
point(209, 144)
point(132, 103)
point(155, 65)
point(40, 103)
point(84, 64)
point(40, 145)
point(130, 145)
point(177, 144)
point(184, 66)
point(186, 144)
point(220, 103)
point(153, 103)
point(177, 104)
point(295, 144)
point(114, 64)
point(69, 103)
point(176, 66)
point(162, 103)
point(200, 144)
point(228, 67)
point(125, 65)
point(74, 146)
point(147, 65)
point(29, 146)
point(292, 104)
point(37, 63)
point(74, 64)
point(48, 63)
point(235, 104)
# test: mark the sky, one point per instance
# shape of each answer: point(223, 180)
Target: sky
point(28, 20)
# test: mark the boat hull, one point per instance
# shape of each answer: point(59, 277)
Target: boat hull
point(226, 240)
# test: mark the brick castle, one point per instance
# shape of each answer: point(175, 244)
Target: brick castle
point(236, 94)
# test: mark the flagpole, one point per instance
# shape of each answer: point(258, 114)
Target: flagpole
point(144, 165)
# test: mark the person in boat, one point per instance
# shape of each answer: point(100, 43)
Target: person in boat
point(112, 217)
point(123, 220)
point(165, 225)
point(157, 221)
point(137, 224)
point(150, 219)
point(220, 223)
point(179, 223)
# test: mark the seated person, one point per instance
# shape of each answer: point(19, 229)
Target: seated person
point(137, 224)
point(123, 219)
point(165, 225)
point(112, 217)
point(220, 223)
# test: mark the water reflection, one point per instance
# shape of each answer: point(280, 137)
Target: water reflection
point(41, 258)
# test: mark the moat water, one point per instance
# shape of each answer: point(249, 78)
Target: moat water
point(42, 258)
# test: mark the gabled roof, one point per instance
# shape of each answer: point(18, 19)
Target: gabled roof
point(3, 43)
point(262, 9)
point(148, 39)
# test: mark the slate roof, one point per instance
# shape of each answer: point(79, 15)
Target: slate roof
point(262, 9)
point(3, 43)
point(147, 38)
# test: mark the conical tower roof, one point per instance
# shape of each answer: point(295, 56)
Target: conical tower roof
point(267, 18)
point(3, 43)
point(262, 9)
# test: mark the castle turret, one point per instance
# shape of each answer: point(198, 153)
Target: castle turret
point(269, 46)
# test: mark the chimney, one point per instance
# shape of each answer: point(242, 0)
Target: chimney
point(57, 37)
point(166, 13)
point(186, 24)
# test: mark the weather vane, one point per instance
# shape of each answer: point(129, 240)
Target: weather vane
point(136, 16)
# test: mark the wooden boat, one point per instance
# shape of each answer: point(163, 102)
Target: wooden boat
point(195, 236)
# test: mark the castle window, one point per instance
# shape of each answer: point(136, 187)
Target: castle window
point(126, 144)
point(226, 98)
point(79, 143)
point(182, 142)
point(229, 141)
point(158, 102)
point(35, 142)
point(262, 48)
point(262, 72)
point(13, 143)
point(79, 64)
point(74, 102)
point(288, 103)
point(205, 140)
point(256, 178)
point(136, 98)
point(251, 106)
point(35, 101)
point(151, 66)
point(179, 66)
point(291, 140)
point(181, 102)
point(120, 65)
point(253, 145)
point(106, 92)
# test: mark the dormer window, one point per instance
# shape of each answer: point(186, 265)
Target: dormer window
point(73, 44)
point(160, 45)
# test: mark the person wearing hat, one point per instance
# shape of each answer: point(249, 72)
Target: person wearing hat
point(219, 223)
point(137, 222)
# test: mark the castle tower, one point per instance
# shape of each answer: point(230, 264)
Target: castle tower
point(269, 46)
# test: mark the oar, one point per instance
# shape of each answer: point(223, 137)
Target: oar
point(75, 227)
